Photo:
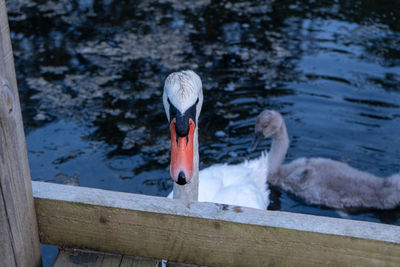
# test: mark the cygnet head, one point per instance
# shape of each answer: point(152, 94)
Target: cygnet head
point(182, 99)
point(267, 123)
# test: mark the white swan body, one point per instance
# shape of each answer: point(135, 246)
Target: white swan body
point(243, 184)
point(322, 181)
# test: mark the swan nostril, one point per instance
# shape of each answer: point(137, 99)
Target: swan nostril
point(181, 178)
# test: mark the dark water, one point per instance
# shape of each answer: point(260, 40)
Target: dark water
point(90, 75)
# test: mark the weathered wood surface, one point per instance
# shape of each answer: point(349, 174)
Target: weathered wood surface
point(77, 258)
point(19, 240)
point(206, 233)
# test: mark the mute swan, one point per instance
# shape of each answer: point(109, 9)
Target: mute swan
point(323, 181)
point(243, 184)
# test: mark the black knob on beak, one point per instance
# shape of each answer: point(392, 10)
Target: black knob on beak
point(182, 126)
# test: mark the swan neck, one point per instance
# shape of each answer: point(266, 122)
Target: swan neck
point(190, 191)
point(280, 144)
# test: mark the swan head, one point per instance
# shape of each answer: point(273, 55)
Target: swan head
point(182, 99)
point(268, 122)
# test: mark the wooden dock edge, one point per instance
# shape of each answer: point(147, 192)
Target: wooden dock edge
point(206, 233)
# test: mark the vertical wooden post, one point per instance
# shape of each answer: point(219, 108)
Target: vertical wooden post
point(19, 238)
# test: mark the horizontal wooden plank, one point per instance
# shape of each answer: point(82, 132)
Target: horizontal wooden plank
point(75, 258)
point(206, 233)
point(86, 258)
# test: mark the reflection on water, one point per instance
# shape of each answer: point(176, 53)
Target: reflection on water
point(60, 153)
point(91, 73)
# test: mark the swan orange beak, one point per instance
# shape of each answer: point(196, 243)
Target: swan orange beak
point(181, 167)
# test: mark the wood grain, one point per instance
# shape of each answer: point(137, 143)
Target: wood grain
point(19, 240)
point(206, 233)
point(76, 258)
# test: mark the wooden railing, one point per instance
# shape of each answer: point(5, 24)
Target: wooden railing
point(206, 233)
point(19, 240)
point(191, 232)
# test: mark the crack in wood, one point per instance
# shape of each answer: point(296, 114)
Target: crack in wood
point(8, 224)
